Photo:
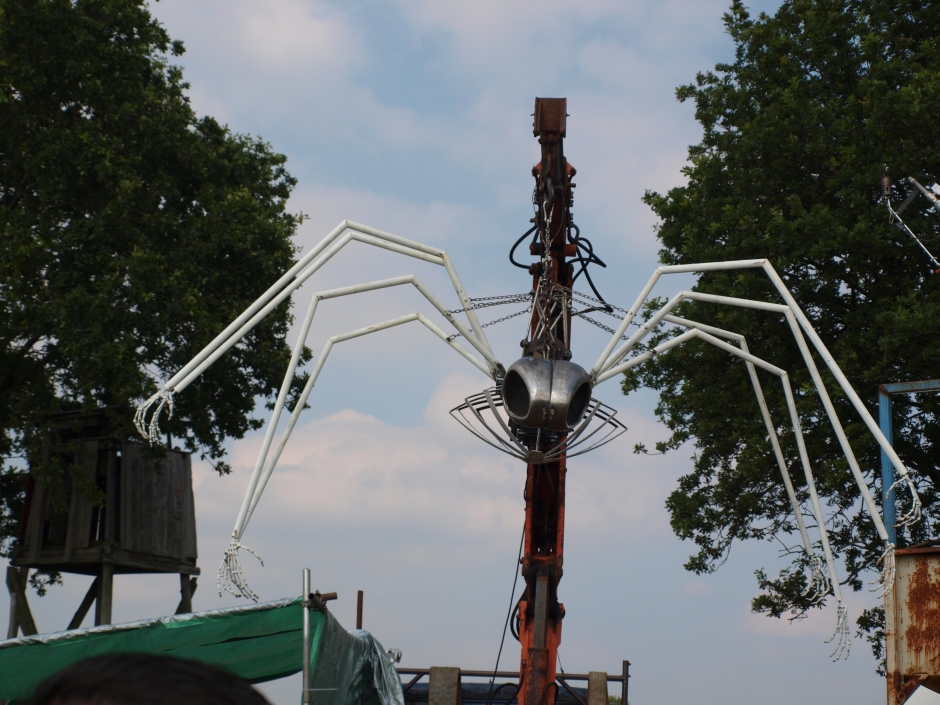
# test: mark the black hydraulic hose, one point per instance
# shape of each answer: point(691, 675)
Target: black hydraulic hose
point(607, 306)
point(519, 242)
point(544, 697)
point(517, 686)
point(580, 242)
point(586, 244)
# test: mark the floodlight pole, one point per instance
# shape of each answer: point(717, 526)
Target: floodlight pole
point(540, 612)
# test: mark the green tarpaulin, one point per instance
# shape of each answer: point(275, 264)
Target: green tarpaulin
point(258, 643)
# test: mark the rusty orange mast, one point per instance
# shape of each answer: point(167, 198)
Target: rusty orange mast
point(540, 613)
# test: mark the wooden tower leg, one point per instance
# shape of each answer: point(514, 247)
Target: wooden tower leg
point(187, 588)
point(85, 606)
point(16, 584)
point(13, 629)
point(105, 591)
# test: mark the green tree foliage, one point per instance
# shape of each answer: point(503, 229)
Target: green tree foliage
point(132, 232)
point(822, 100)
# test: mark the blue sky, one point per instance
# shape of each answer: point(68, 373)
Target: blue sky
point(414, 117)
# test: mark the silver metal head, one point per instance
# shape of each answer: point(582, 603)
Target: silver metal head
point(542, 393)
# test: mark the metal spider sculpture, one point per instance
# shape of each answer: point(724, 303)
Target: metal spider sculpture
point(541, 407)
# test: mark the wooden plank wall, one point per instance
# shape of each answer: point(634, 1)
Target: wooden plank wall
point(80, 508)
point(157, 509)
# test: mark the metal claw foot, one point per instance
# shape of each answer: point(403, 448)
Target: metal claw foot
point(151, 431)
point(230, 577)
point(818, 585)
point(885, 581)
point(842, 635)
point(913, 516)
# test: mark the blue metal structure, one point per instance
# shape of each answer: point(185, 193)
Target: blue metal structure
point(885, 392)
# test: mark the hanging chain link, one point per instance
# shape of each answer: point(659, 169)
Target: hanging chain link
point(598, 301)
point(576, 296)
point(506, 318)
point(493, 323)
point(494, 301)
point(600, 325)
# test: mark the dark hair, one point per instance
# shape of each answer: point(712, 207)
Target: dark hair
point(144, 679)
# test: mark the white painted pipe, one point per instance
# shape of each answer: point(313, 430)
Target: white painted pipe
point(400, 249)
point(624, 324)
point(836, 371)
point(253, 495)
point(768, 421)
point(644, 330)
point(811, 484)
point(794, 418)
point(649, 354)
point(279, 405)
point(251, 310)
point(238, 335)
point(837, 427)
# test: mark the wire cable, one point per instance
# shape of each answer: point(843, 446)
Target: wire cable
point(502, 641)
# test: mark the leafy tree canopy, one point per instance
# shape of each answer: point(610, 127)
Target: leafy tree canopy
point(822, 100)
point(132, 232)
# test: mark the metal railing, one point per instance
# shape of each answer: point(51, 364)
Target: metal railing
point(561, 679)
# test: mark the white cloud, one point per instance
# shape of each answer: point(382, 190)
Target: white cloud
point(283, 34)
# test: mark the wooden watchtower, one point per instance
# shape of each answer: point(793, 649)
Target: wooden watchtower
point(146, 522)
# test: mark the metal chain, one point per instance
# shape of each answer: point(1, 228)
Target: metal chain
point(506, 318)
point(494, 301)
point(503, 296)
point(598, 301)
point(487, 301)
point(598, 324)
point(493, 323)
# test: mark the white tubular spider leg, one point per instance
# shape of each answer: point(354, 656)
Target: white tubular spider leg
point(885, 581)
point(915, 512)
point(797, 320)
point(346, 291)
point(817, 585)
point(230, 571)
point(302, 337)
point(338, 238)
point(874, 514)
point(841, 630)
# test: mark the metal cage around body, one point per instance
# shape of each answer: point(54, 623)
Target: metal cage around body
point(484, 415)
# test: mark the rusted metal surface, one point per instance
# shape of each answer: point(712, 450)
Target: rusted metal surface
point(912, 623)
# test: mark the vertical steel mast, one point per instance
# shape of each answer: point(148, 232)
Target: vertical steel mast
point(540, 612)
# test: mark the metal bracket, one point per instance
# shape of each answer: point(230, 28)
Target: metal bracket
point(317, 600)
